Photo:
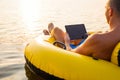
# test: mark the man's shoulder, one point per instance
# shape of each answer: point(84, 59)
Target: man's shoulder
point(99, 36)
point(95, 37)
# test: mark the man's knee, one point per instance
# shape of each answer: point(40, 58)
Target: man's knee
point(57, 30)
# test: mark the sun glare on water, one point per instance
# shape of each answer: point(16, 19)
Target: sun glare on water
point(31, 12)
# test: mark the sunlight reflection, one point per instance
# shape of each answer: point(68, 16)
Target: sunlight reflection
point(31, 12)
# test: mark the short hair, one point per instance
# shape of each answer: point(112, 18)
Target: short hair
point(115, 4)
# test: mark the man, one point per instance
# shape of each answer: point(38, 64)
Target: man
point(98, 45)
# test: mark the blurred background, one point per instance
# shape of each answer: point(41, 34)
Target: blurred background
point(23, 20)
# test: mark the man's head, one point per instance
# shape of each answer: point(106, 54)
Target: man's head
point(112, 9)
point(115, 4)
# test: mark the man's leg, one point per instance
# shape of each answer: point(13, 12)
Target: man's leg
point(58, 34)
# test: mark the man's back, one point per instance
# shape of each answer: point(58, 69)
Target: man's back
point(100, 45)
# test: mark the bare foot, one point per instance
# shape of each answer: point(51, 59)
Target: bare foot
point(45, 32)
point(50, 27)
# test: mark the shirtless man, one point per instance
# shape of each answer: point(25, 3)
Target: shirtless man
point(98, 45)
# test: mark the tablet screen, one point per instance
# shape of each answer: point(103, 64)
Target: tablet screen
point(77, 31)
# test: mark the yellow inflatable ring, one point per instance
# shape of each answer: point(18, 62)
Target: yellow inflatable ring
point(115, 58)
point(53, 63)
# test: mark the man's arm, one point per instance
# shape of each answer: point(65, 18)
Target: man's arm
point(88, 47)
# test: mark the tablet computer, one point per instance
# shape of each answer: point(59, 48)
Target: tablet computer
point(77, 31)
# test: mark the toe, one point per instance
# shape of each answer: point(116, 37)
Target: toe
point(45, 32)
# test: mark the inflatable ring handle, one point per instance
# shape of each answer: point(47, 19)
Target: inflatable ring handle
point(59, 44)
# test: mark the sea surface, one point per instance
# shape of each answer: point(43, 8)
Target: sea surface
point(23, 20)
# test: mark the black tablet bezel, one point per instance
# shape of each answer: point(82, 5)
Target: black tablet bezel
point(77, 31)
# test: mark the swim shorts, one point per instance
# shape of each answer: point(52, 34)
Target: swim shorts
point(74, 46)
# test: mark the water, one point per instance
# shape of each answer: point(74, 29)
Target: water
point(23, 20)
